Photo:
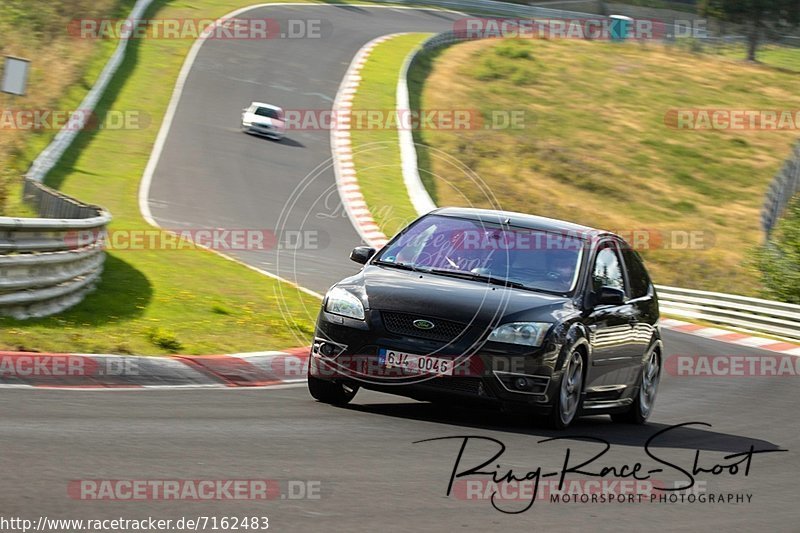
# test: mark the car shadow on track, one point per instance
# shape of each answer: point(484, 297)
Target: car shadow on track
point(288, 141)
point(695, 437)
point(284, 141)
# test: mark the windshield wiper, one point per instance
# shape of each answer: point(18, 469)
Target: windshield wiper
point(401, 266)
point(479, 277)
point(503, 281)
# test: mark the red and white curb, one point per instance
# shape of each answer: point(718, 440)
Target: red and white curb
point(259, 369)
point(342, 150)
point(85, 371)
point(732, 337)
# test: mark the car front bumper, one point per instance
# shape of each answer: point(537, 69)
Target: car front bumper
point(265, 132)
point(347, 350)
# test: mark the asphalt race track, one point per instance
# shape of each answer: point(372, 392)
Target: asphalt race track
point(371, 476)
point(211, 175)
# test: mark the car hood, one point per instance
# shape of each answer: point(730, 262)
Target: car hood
point(390, 289)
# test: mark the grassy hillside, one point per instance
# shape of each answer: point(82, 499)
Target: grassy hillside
point(157, 301)
point(63, 68)
point(596, 148)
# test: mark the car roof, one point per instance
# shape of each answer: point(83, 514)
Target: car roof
point(270, 106)
point(521, 220)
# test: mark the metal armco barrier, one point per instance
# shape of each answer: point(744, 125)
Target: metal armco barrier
point(491, 8)
point(784, 185)
point(672, 24)
point(497, 8)
point(741, 312)
point(48, 264)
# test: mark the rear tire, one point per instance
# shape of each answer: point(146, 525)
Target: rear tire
point(330, 391)
point(642, 406)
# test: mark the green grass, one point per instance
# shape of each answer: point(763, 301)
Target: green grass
point(783, 57)
point(376, 152)
point(595, 148)
point(157, 302)
point(62, 72)
point(75, 93)
point(661, 4)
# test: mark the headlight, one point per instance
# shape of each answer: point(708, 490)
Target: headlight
point(526, 333)
point(341, 302)
point(246, 123)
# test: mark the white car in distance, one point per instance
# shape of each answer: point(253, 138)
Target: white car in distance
point(264, 119)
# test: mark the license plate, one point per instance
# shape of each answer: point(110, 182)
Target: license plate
point(424, 364)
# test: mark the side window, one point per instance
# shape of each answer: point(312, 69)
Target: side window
point(640, 281)
point(607, 269)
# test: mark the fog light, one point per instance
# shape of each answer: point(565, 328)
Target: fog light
point(521, 383)
point(326, 349)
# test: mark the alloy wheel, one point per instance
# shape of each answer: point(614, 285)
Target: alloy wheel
point(571, 388)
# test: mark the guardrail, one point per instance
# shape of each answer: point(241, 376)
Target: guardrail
point(48, 264)
point(504, 9)
point(741, 312)
point(785, 184)
point(498, 8)
point(673, 24)
point(417, 193)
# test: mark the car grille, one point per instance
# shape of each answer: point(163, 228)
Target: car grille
point(403, 324)
point(471, 386)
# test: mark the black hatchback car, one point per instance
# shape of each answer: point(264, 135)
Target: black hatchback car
point(499, 308)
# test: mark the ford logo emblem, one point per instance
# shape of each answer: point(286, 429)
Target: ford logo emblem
point(423, 324)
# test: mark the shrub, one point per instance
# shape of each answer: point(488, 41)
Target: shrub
point(164, 339)
point(779, 259)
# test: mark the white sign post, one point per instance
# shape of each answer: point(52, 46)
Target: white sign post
point(15, 76)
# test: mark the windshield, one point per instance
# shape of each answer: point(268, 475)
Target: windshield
point(267, 112)
point(532, 259)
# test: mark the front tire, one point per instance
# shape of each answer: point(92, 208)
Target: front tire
point(567, 404)
point(642, 407)
point(330, 391)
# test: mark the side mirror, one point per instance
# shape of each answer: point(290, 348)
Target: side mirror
point(362, 254)
point(609, 296)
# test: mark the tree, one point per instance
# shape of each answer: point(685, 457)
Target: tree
point(758, 16)
point(779, 259)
